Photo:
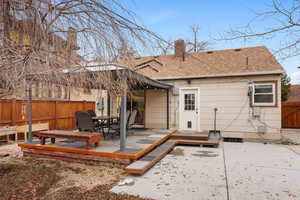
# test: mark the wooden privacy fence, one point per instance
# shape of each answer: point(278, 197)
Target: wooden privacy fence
point(59, 114)
point(290, 114)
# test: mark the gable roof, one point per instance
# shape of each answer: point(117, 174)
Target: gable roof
point(230, 62)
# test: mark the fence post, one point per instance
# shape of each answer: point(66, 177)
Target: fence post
point(55, 114)
point(13, 112)
point(84, 105)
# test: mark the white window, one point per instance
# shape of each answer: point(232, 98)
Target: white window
point(264, 94)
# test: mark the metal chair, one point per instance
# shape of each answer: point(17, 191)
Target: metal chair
point(84, 122)
point(93, 114)
point(130, 120)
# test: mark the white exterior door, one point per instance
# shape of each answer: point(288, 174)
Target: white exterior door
point(189, 109)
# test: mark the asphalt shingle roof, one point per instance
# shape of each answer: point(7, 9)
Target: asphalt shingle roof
point(209, 63)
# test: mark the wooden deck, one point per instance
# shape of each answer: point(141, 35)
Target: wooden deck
point(145, 163)
point(138, 161)
point(90, 156)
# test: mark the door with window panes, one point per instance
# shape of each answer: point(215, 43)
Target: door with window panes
point(188, 114)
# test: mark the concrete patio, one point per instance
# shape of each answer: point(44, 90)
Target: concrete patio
point(233, 171)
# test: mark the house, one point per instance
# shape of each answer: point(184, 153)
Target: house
point(294, 93)
point(23, 32)
point(238, 90)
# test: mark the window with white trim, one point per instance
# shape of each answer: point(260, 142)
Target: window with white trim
point(264, 94)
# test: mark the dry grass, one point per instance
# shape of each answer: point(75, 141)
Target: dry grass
point(30, 178)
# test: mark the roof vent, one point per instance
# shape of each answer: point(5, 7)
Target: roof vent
point(237, 50)
point(209, 52)
point(137, 58)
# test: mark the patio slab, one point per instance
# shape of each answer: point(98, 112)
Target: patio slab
point(182, 177)
point(259, 171)
point(254, 171)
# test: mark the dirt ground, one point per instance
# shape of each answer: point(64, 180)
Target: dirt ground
point(33, 178)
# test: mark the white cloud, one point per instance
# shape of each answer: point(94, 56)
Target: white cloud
point(295, 76)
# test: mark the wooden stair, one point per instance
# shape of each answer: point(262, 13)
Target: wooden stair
point(140, 166)
point(191, 136)
point(204, 143)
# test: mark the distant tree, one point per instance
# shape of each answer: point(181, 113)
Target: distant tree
point(285, 86)
point(282, 20)
point(164, 47)
point(194, 45)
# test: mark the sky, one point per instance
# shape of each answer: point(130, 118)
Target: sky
point(172, 18)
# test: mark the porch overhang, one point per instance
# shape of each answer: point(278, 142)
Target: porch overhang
point(113, 71)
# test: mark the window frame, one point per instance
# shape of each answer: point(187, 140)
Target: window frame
point(274, 92)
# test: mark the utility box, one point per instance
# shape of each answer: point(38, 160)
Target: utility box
point(256, 111)
point(175, 91)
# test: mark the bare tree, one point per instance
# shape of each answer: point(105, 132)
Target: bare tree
point(164, 47)
point(283, 18)
point(48, 35)
point(194, 45)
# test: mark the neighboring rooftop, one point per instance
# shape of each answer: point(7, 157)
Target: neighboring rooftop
point(251, 60)
point(294, 93)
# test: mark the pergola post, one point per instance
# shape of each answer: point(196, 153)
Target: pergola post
point(168, 109)
point(123, 121)
point(29, 110)
point(108, 104)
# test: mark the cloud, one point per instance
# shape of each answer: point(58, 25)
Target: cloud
point(295, 76)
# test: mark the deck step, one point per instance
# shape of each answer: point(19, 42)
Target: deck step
point(206, 143)
point(140, 166)
point(191, 135)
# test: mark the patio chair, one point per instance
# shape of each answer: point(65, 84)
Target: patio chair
point(85, 123)
point(130, 121)
point(93, 114)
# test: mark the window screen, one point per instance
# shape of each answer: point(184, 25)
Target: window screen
point(263, 94)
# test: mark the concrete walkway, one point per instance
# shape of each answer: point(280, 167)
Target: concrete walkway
point(254, 171)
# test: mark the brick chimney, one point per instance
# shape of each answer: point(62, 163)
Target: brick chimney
point(71, 45)
point(179, 49)
point(72, 39)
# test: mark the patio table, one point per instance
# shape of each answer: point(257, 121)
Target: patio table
point(88, 138)
point(106, 121)
point(106, 117)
